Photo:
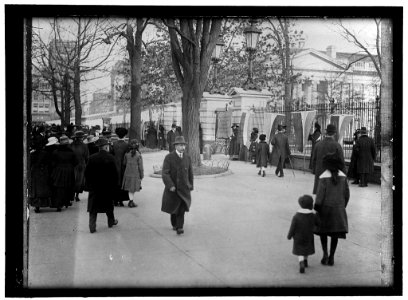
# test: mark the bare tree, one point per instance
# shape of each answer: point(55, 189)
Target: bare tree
point(192, 42)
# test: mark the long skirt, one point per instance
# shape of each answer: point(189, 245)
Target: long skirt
point(79, 172)
point(40, 201)
point(62, 196)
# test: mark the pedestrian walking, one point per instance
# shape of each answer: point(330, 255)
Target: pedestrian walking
point(280, 151)
point(326, 145)
point(177, 175)
point(162, 140)
point(63, 162)
point(234, 145)
point(119, 148)
point(262, 155)
point(301, 230)
point(253, 144)
point(134, 173)
point(314, 138)
point(352, 169)
point(331, 201)
point(82, 154)
point(171, 136)
point(40, 187)
point(101, 178)
point(366, 154)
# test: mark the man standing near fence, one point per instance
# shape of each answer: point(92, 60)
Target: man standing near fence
point(280, 150)
point(366, 154)
point(323, 147)
point(171, 136)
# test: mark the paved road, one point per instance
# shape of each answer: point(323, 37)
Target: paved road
point(235, 236)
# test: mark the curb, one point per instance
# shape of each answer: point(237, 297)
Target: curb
point(228, 172)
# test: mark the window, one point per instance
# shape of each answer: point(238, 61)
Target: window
point(359, 65)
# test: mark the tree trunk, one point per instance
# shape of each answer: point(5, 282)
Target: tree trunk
point(387, 250)
point(288, 88)
point(67, 100)
point(77, 96)
point(190, 122)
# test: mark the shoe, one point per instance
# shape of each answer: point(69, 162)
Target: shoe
point(92, 230)
point(325, 260)
point(302, 267)
point(276, 172)
point(306, 264)
point(174, 228)
point(330, 261)
point(114, 223)
point(180, 230)
point(259, 173)
point(281, 175)
point(37, 210)
point(263, 174)
point(121, 203)
point(58, 209)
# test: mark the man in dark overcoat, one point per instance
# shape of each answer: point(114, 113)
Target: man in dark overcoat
point(177, 175)
point(326, 145)
point(366, 153)
point(101, 177)
point(171, 136)
point(119, 148)
point(280, 150)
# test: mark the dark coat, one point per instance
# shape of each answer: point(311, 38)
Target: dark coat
point(262, 154)
point(63, 161)
point(331, 202)
point(301, 230)
point(352, 169)
point(280, 149)
point(92, 148)
point(40, 178)
point(101, 177)
point(327, 145)
point(366, 153)
point(234, 145)
point(314, 138)
point(120, 148)
point(177, 172)
point(82, 154)
point(171, 136)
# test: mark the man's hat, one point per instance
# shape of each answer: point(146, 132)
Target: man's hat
point(173, 125)
point(179, 140)
point(106, 133)
point(331, 129)
point(52, 141)
point(234, 125)
point(90, 139)
point(64, 140)
point(102, 141)
point(121, 132)
point(306, 201)
point(256, 130)
point(363, 130)
point(280, 127)
point(262, 137)
point(78, 134)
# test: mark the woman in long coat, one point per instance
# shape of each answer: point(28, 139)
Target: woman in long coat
point(82, 154)
point(262, 155)
point(63, 177)
point(40, 189)
point(134, 173)
point(352, 169)
point(234, 145)
point(365, 148)
point(314, 138)
point(331, 201)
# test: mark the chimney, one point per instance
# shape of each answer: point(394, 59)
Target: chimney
point(331, 51)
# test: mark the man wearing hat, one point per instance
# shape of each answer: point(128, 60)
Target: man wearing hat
point(280, 150)
point(234, 146)
point(366, 153)
point(352, 169)
point(90, 142)
point(326, 145)
point(171, 136)
point(101, 178)
point(177, 175)
point(314, 138)
point(82, 153)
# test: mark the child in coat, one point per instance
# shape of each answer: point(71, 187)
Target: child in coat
point(262, 155)
point(301, 230)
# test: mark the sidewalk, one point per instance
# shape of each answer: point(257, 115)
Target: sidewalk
point(235, 236)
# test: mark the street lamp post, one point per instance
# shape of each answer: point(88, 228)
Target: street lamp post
point(215, 57)
point(251, 36)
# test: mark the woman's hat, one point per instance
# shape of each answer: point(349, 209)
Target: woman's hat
point(52, 141)
point(234, 125)
point(262, 137)
point(90, 139)
point(306, 201)
point(78, 134)
point(363, 130)
point(179, 140)
point(64, 140)
point(331, 129)
point(102, 141)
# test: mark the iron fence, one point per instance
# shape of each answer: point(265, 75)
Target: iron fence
point(365, 114)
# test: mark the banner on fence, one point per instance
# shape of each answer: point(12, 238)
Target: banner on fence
point(343, 124)
point(307, 120)
point(224, 122)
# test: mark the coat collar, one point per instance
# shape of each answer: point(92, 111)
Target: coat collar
point(305, 211)
point(327, 174)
